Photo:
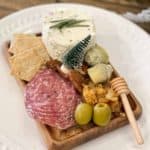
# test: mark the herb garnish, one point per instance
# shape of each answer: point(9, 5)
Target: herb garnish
point(70, 23)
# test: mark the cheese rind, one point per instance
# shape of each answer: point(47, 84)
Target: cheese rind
point(59, 42)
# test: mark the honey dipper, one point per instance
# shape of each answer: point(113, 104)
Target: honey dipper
point(120, 87)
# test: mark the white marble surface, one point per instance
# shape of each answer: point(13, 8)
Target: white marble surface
point(129, 50)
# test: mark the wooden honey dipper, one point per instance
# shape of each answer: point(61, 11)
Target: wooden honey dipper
point(120, 87)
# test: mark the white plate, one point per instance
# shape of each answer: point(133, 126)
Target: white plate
point(129, 50)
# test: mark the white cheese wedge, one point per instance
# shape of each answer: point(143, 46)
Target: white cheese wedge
point(59, 41)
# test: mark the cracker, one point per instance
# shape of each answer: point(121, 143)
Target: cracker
point(23, 35)
point(23, 42)
point(42, 52)
point(26, 64)
point(27, 42)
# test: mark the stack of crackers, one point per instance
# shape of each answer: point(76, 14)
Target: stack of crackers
point(28, 56)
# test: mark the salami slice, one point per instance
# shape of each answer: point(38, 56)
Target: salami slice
point(51, 99)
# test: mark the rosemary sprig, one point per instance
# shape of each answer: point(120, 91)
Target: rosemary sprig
point(60, 24)
point(53, 21)
point(81, 25)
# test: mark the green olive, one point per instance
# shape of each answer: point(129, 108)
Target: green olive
point(102, 114)
point(83, 113)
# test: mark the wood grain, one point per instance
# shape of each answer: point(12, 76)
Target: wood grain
point(9, 6)
point(117, 7)
point(138, 3)
point(5, 12)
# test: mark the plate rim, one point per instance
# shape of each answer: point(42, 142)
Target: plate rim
point(40, 6)
point(138, 29)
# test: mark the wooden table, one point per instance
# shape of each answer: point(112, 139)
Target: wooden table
point(119, 6)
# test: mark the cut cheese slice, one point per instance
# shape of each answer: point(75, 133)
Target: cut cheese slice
point(59, 41)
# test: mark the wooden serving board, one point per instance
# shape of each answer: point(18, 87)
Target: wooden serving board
point(69, 138)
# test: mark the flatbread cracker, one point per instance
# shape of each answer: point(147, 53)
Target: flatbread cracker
point(23, 35)
point(42, 52)
point(26, 64)
point(23, 42)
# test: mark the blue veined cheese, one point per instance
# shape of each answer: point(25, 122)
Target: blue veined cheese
point(59, 41)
